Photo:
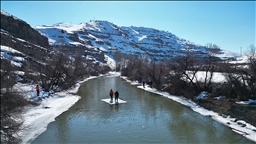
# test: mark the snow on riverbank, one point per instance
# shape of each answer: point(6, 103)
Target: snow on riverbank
point(241, 127)
point(37, 118)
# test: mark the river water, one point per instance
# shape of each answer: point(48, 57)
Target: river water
point(145, 118)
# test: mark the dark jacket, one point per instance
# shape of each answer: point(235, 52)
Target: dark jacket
point(116, 94)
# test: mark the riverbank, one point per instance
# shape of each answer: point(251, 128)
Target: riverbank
point(234, 119)
point(37, 118)
point(230, 107)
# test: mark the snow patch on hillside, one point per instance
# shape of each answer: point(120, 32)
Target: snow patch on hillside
point(8, 52)
point(110, 62)
point(228, 54)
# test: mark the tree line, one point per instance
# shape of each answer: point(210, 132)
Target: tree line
point(179, 75)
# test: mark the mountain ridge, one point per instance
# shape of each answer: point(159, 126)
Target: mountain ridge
point(106, 36)
point(98, 40)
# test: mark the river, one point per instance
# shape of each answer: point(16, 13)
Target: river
point(145, 118)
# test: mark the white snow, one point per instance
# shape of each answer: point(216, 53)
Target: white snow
point(37, 118)
point(219, 97)
point(21, 73)
point(108, 100)
point(16, 64)
point(22, 40)
point(241, 127)
point(202, 95)
point(247, 102)
point(200, 76)
point(8, 49)
point(239, 60)
point(111, 62)
point(6, 53)
point(76, 43)
point(227, 54)
point(145, 41)
point(142, 37)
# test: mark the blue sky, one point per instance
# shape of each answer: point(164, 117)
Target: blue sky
point(230, 25)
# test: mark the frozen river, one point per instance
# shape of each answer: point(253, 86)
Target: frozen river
point(145, 118)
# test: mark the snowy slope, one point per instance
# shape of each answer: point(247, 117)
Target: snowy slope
point(107, 37)
point(9, 54)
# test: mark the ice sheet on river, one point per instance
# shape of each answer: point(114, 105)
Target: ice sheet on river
point(107, 100)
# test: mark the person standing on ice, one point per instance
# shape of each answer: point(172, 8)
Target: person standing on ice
point(150, 83)
point(111, 93)
point(116, 96)
point(143, 83)
point(37, 90)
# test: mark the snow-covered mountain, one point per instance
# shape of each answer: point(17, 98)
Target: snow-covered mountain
point(103, 36)
point(96, 40)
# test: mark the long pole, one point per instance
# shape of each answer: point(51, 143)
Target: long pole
point(241, 53)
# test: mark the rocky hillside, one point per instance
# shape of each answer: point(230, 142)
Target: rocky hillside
point(20, 29)
point(27, 56)
point(106, 37)
point(95, 41)
point(21, 45)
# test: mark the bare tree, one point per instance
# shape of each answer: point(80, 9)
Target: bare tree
point(189, 66)
point(80, 66)
point(11, 103)
point(251, 70)
point(58, 73)
point(8, 77)
point(155, 71)
point(241, 78)
point(209, 65)
point(129, 64)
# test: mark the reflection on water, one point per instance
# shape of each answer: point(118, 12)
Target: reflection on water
point(145, 118)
